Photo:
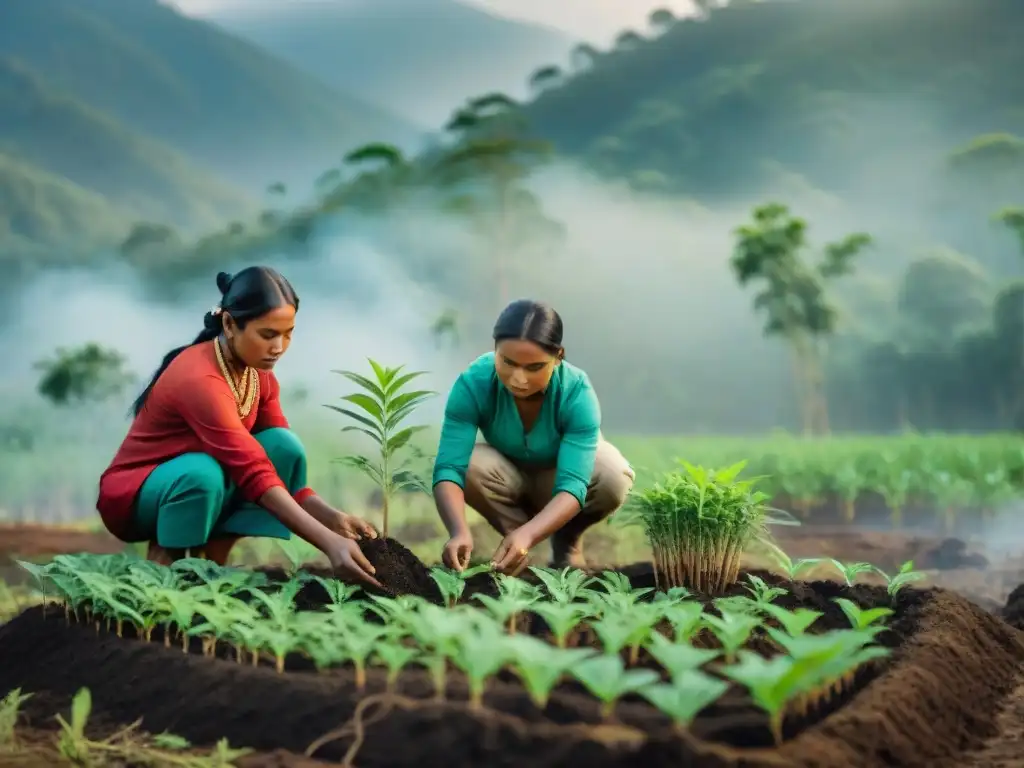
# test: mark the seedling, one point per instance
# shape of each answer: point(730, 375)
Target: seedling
point(677, 658)
point(682, 699)
point(850, 571)
point(10, 708)
point(561, 618)
point(762, 591)
point(698, 523)
point(563, 586)
point(732, 630)
point(383, 405)
point(862, 618)
point(906, 575)
point(607, 678)
point(540, 666)
point(791, 568)
point(452, 583)
point(686, 619)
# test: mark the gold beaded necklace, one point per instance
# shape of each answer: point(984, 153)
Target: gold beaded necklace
point(247, 390)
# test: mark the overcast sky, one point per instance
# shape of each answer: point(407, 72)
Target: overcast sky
point(595, 20)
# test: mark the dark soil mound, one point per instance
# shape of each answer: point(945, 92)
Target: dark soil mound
point(951, 667)
point(1013, 612)
point(949, 555)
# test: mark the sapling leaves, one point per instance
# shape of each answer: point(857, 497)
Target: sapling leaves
point(541, 666)
point(452, 583)
point(380, 409)
point(607, 678)
point(682, 699)
point(906, 575)
point(795, 622)
point(561, 618)
point(862, 618)
point(676, 658)
point(686, 619)
point(850, 571)
point(565, 585)
point(732, 629)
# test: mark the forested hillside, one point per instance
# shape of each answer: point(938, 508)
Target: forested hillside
point(719, 104)
point(222, 101)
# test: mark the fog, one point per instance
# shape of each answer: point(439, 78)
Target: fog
point(651, 308)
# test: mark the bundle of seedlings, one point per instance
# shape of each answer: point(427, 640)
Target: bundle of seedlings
point(698, 523)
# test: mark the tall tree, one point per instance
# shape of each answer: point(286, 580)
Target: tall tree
point(484, 171)
point(87, 373)
point(793, 298)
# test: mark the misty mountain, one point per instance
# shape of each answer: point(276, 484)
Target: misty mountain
point(420, 58)
point(70, 172)
point(837, 94)
point(219, 100)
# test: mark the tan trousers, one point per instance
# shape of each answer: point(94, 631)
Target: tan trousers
point(507, 495)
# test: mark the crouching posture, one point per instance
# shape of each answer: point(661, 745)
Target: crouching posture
point(544, 469)
point(210, 457)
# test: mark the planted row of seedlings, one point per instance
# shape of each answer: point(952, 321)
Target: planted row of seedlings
point(696, 653)
point(950, 474)
point(680, 646)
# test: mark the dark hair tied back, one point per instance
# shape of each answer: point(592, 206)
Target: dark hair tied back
point(223, 282)
point(528, 320)
point(247, 295)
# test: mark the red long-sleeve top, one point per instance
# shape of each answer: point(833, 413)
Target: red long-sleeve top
point(191, 409)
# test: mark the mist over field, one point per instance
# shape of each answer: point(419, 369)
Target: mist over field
point(668, 126)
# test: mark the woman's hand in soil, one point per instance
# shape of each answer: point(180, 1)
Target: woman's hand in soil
point(352, 527)
point(350, 564)
point(457, 551)
point(511, 556)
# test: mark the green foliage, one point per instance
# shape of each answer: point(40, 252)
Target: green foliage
point(199, 603)
point(383, 406)
point(746, 87)
point(86, 373)
point(698, 523)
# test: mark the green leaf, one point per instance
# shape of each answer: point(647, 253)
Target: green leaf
point(373, 435)
point(399, 439)
point(401, 381)
point(384, 374)
point(365, 383)
point(368, 404)
point(358, 417)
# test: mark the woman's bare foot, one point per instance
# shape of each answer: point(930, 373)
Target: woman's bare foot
point(159, 555)
point(567, 552)
point(219, 550)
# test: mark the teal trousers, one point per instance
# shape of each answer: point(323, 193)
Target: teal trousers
point(189, 500)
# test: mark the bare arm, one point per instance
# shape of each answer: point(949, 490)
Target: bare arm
point(451, 506)
point(278, 502)
point(562, 508)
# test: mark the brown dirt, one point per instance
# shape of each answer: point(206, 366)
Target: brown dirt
point(937, 698)
point(37, 748)
point(886, 549)
point(29, 540)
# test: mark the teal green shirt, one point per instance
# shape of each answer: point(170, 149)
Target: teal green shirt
point(565, 434)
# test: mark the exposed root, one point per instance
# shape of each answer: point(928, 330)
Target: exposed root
point(610, 735)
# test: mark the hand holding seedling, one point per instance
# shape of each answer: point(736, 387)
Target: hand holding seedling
point(458, 550)
point(510, 557)
point(349, 562)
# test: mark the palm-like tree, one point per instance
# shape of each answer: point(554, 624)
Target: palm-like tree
point(793, 296)
point(491, 156)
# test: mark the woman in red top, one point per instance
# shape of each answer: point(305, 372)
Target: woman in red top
point(210, 458)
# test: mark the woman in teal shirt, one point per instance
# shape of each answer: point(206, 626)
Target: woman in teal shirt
point(544, 470)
